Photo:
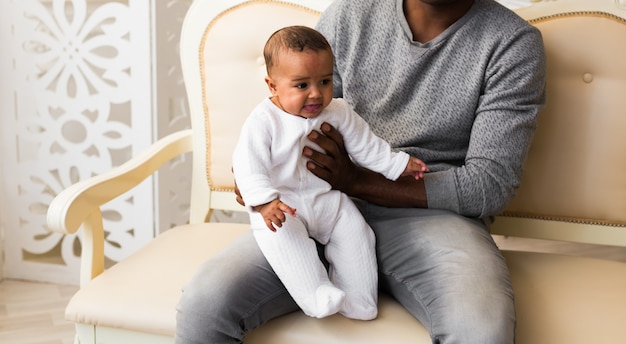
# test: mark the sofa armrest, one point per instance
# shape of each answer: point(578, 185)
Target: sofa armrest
point(80, 203)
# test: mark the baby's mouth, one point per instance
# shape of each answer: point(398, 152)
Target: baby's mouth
point(312, 107)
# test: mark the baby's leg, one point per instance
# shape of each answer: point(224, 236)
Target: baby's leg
point(293, 256)
point(351, 253)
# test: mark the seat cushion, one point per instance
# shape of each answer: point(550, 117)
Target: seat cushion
point(141, 292)
point(559, 299)
point(393, 325)
point(565, 299)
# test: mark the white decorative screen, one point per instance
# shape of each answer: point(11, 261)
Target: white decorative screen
point(82, 91)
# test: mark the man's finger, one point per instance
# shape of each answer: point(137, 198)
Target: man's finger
point(332, 132)
point(322, 160)
point(329, 146)
point(318, 170)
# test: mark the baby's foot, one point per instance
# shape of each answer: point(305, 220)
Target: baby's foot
point(328, 300)
point(360, 308)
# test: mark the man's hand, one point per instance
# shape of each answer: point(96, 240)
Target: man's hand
point(333, 166)
point(274, 213)
point(336, 167)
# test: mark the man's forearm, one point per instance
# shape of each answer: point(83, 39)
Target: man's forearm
point(405, 192)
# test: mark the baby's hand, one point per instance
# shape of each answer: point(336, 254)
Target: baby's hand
point(415, 168)
point(274, 213)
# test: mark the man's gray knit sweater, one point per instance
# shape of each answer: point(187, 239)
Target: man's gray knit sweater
point(465, 102)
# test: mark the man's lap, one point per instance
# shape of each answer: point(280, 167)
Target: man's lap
point(431, 261)
point(445, 269)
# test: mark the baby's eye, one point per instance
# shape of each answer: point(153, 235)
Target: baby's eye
point(326, 81)
point(302, 85)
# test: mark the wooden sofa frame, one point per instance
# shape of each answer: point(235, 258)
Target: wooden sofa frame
point(573, 189)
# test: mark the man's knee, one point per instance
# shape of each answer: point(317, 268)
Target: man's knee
point(489, 322)
point(204, 314)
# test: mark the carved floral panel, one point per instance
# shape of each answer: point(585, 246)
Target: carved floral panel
point(83, 78)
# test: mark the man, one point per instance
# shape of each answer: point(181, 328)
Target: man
point(456, 82)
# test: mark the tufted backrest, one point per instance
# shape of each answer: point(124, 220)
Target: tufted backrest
point(224, 70)
point(575, 168)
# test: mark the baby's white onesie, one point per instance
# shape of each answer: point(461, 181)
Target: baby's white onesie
point(268, 164)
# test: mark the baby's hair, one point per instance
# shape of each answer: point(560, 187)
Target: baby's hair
point(295, 38)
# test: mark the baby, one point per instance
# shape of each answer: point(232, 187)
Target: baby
point(273, 180)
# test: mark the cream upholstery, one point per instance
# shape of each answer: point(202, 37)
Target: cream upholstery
point(573, 188)
point(578, 149)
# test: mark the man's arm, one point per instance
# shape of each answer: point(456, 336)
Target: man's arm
point(342, 174)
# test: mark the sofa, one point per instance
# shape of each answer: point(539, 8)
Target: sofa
point(574, 188)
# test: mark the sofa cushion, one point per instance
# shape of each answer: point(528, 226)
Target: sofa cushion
point(553, 293)
point(158, 272)
point(566, 299)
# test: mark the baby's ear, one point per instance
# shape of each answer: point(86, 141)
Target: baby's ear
point(270, 84)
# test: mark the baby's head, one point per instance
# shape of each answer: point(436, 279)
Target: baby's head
point(299, 64)
point(293, 39)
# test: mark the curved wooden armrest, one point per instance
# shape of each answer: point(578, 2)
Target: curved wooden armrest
point(71, 207)
point(80, 203)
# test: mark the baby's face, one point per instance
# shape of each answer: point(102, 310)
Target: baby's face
point(302, 82)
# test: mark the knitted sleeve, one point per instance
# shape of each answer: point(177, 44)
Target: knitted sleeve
point(501, 133)
point(251, 158)
point(365, 148)
point(465, 103)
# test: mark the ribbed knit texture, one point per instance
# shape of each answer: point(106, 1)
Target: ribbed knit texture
point(465, 102)
point(268, 160)
point(268, 164)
